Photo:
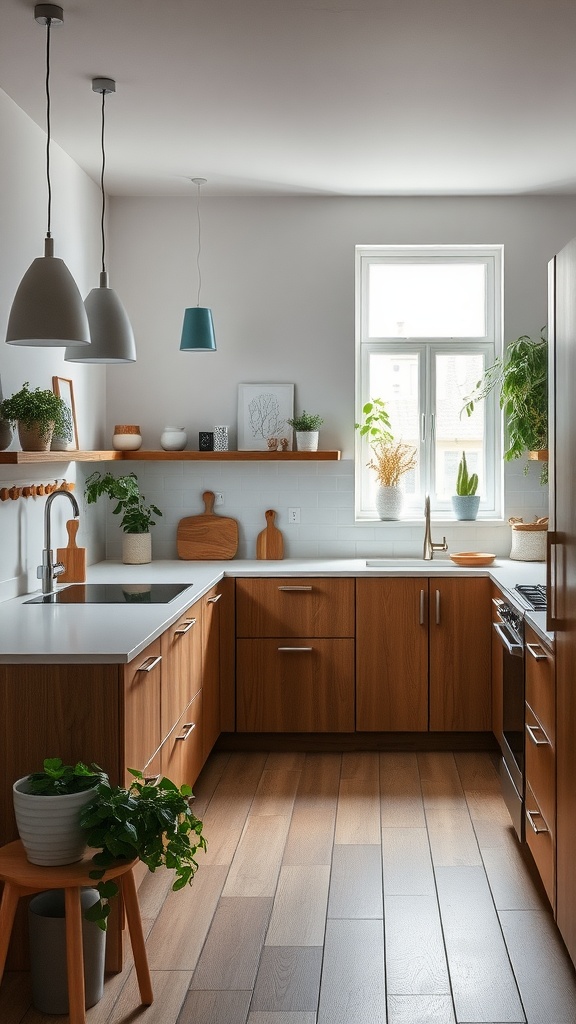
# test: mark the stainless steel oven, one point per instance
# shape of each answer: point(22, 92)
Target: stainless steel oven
point(509, 627)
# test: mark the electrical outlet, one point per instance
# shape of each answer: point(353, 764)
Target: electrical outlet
point(218, 498)
point(293, 515)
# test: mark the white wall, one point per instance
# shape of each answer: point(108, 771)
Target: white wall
point(75, 227)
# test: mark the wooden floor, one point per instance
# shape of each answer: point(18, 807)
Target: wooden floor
point(345, 889)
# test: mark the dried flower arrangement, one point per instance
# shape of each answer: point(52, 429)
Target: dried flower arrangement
point(391, 460)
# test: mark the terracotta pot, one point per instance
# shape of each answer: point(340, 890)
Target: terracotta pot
point(32, 439)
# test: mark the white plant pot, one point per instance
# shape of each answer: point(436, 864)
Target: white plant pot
point(465, 506)
point(49, 826)
point(389, 502)
point(136, 548)
point(307, 440)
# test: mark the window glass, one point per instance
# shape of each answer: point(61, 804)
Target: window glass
point(427, 300)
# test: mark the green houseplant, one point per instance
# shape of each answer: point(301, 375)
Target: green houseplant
point(465, 502)
point(521, 378)
point(307, 426)
point(136, 516)
point(390, 458)
point(38, 414)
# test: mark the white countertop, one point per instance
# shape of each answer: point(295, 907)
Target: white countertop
point(117, 633)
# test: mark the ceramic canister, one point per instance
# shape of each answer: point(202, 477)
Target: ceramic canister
point(173, 439)
point(127, 437)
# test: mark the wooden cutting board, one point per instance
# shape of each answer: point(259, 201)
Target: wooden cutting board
point(270, 543)
point(72, 557)
point(207, 536)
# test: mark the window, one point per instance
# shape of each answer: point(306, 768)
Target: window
point(428, 324)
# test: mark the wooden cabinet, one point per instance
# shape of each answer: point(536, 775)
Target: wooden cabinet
point(141, 707)
point(423, 654)
point(211, 668)
point(182, 742)
point(497, 671)
point(295, 655)
point(540, 725)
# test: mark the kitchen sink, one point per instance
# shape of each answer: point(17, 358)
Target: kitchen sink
point(409, 563)
point(113, 593)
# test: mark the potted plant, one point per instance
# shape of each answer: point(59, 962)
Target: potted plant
point(152, 821)
point(47, 807)
point(37, 414)
point(137, 517)
point(522, 380)
point(391, 458)
point(465, 502)
point(307, 426)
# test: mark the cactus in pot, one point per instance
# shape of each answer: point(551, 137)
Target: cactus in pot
point(465, 502)
point(466, 484)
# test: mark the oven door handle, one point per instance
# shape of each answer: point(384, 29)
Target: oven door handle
point(516, 650)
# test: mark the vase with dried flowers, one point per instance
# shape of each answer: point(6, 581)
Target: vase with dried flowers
point(391, 459)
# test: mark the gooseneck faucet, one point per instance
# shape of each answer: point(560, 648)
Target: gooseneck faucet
point(49, 570)
point(429, 546)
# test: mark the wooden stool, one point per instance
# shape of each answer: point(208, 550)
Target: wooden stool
point(21, 878)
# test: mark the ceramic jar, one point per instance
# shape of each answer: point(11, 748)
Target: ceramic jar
point(127, 437)
point(173, 439)
point(388, 502)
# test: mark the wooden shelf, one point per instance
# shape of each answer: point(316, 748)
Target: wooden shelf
point(23, 458)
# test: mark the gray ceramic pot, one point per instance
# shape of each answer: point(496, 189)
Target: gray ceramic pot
point(465, 506)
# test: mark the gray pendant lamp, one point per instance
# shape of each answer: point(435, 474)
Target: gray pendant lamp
point(198, 327)
point(47, 309)
point(110, 329)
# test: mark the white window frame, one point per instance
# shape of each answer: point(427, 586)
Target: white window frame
point(490, 346)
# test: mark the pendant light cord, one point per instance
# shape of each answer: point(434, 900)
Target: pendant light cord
point(102, 218)
point(199, 244)
point(48, 24)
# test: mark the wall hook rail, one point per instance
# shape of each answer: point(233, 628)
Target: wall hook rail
point(34, 490)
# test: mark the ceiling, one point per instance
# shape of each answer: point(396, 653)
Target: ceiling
point(308, 97)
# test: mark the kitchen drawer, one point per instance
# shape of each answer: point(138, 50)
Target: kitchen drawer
point(181, 665)
point(541, 767)
point(182, 750)
point(540, 682)
point(541, 843)
point(302, 685)
point(295, 607)
point(142, 687)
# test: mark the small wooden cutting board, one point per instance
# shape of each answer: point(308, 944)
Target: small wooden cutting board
point(207, 536)
point(270, 543)
point(72, 557)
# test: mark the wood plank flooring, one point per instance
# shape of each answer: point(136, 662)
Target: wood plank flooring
point(355, 888)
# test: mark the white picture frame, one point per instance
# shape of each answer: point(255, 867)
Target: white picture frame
point(263, 412)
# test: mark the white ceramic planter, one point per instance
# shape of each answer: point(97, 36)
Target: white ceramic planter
point(465, 506)
point(307, 440)
point(136, 548)
point(389, 502)
point(49, 825)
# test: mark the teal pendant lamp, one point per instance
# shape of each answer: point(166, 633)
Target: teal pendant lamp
point(47, 310)
point(198, 327)
point(110, 329)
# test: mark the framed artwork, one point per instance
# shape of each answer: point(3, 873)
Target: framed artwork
point(64, 388)
point(263, 412)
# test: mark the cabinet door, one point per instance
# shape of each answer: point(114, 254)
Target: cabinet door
point(182, 665)
point(299, 685)
point(497, 672)
point(541, 682)
point(460, 655)
point(142, 688)
point(210, 669)
point(295, 607)
point(182, 749)
point(392, 655)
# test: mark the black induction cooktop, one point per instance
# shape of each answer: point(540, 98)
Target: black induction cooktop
point(113, 593)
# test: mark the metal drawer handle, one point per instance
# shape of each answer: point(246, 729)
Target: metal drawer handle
point(537, 652)
point(437, 607)
point(185, 628)
point(150, 663)
point(187, 730)
point(295, 588)
point(536, 814)
point(516, 650)
point(421, 607)
point(532, 730)
point(295, 648)
point(213, 600)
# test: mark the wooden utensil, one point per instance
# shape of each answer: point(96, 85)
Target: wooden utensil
point(207, 536)
point(270, 543)
point(73, 557)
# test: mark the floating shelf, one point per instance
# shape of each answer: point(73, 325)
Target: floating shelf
point(24, 458)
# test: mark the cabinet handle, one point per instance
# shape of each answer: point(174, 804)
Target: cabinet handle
point(295, 648)
point(294, 588)
point(213, 600)
point(150, 663)
point(184, 629)
point(437, 607)
point(552, 542)
point(421, 607)
point(537, 652)
point(187, 730)
point(536, 814)
point(532, 730)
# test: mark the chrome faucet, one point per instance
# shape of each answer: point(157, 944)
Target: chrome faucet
point(49, 570)
point(429, 546)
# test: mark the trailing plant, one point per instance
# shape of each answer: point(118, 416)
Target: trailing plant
point(38, 407)
point(59, 779)
point(306, 421)
point(136, 516)
point(391, 460)
point(151, 821)
point(376, 425)
point(521, 378)
point(465, 485)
